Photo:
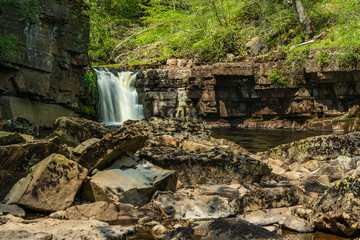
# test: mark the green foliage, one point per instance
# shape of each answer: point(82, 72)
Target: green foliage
point(323, 57)
point(276, 77)
point(110, 20)
point(296, 58)
point(90, 79)
point(349, 57)
point(137, 32)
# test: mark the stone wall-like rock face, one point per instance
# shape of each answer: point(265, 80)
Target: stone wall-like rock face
point(46, 70)
point(260, 87)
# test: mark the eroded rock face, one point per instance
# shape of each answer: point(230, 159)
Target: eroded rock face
point(50, 186)
point(319, 148)
point(128, 180)
point(16, 159)
point(112, 213)
point(54, 229)
point(338, 209)
point(49, 67)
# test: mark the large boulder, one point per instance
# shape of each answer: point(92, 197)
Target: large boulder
point(81, 129)
point(199, 162)
point(112, 213)
point(43, 229)
point(319, 148)
point(50, 186)
point(128, 180)
point(16, 159)
point(101, 154)
point(266, 198)
point(338, 210)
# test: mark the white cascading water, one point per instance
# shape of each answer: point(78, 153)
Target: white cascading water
point(118, 97)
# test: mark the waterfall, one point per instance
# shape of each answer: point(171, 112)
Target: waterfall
point(118, 97)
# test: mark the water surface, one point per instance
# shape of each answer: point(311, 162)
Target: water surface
point(259, 140)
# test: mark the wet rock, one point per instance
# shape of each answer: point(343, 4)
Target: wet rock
point(192, 205)
point(266, 198)
point(112, 213)
point(267, 217)
point(317, 148)
point(180, 233)
point(338, 209)
point(81, 129)
point(21, 125)
point(50, 186)
point(128, 180)
point(12, 209)
point(296, 224)
point(46, 229)
point(237, 229)
point(16, 159)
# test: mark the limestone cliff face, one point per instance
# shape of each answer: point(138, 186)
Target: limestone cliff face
point(43, 75)
point(261, 87)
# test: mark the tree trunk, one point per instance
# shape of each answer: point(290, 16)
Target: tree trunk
point(303, 17)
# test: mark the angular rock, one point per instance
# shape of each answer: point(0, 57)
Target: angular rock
point(101, 154)
point(12, 209)
point(338, 209)
point(50, 186)
point(21, 125)
point(296, 224)
point(216, 164)
point(64, 138)
point(16, 159)
point(82, 129)
point(46, 229)
point(188, 205)
point(112, 213)
point(128, 180)
point(266, 198)
point(237, 229)
point(267, 217)
point(8, 138)
point(83, 146)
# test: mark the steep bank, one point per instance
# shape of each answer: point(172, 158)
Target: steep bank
point(307, 91)
point(41, 76)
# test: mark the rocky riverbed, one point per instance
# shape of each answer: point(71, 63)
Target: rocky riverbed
point(171, 179)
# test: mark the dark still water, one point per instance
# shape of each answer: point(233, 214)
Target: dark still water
point(259, 140)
